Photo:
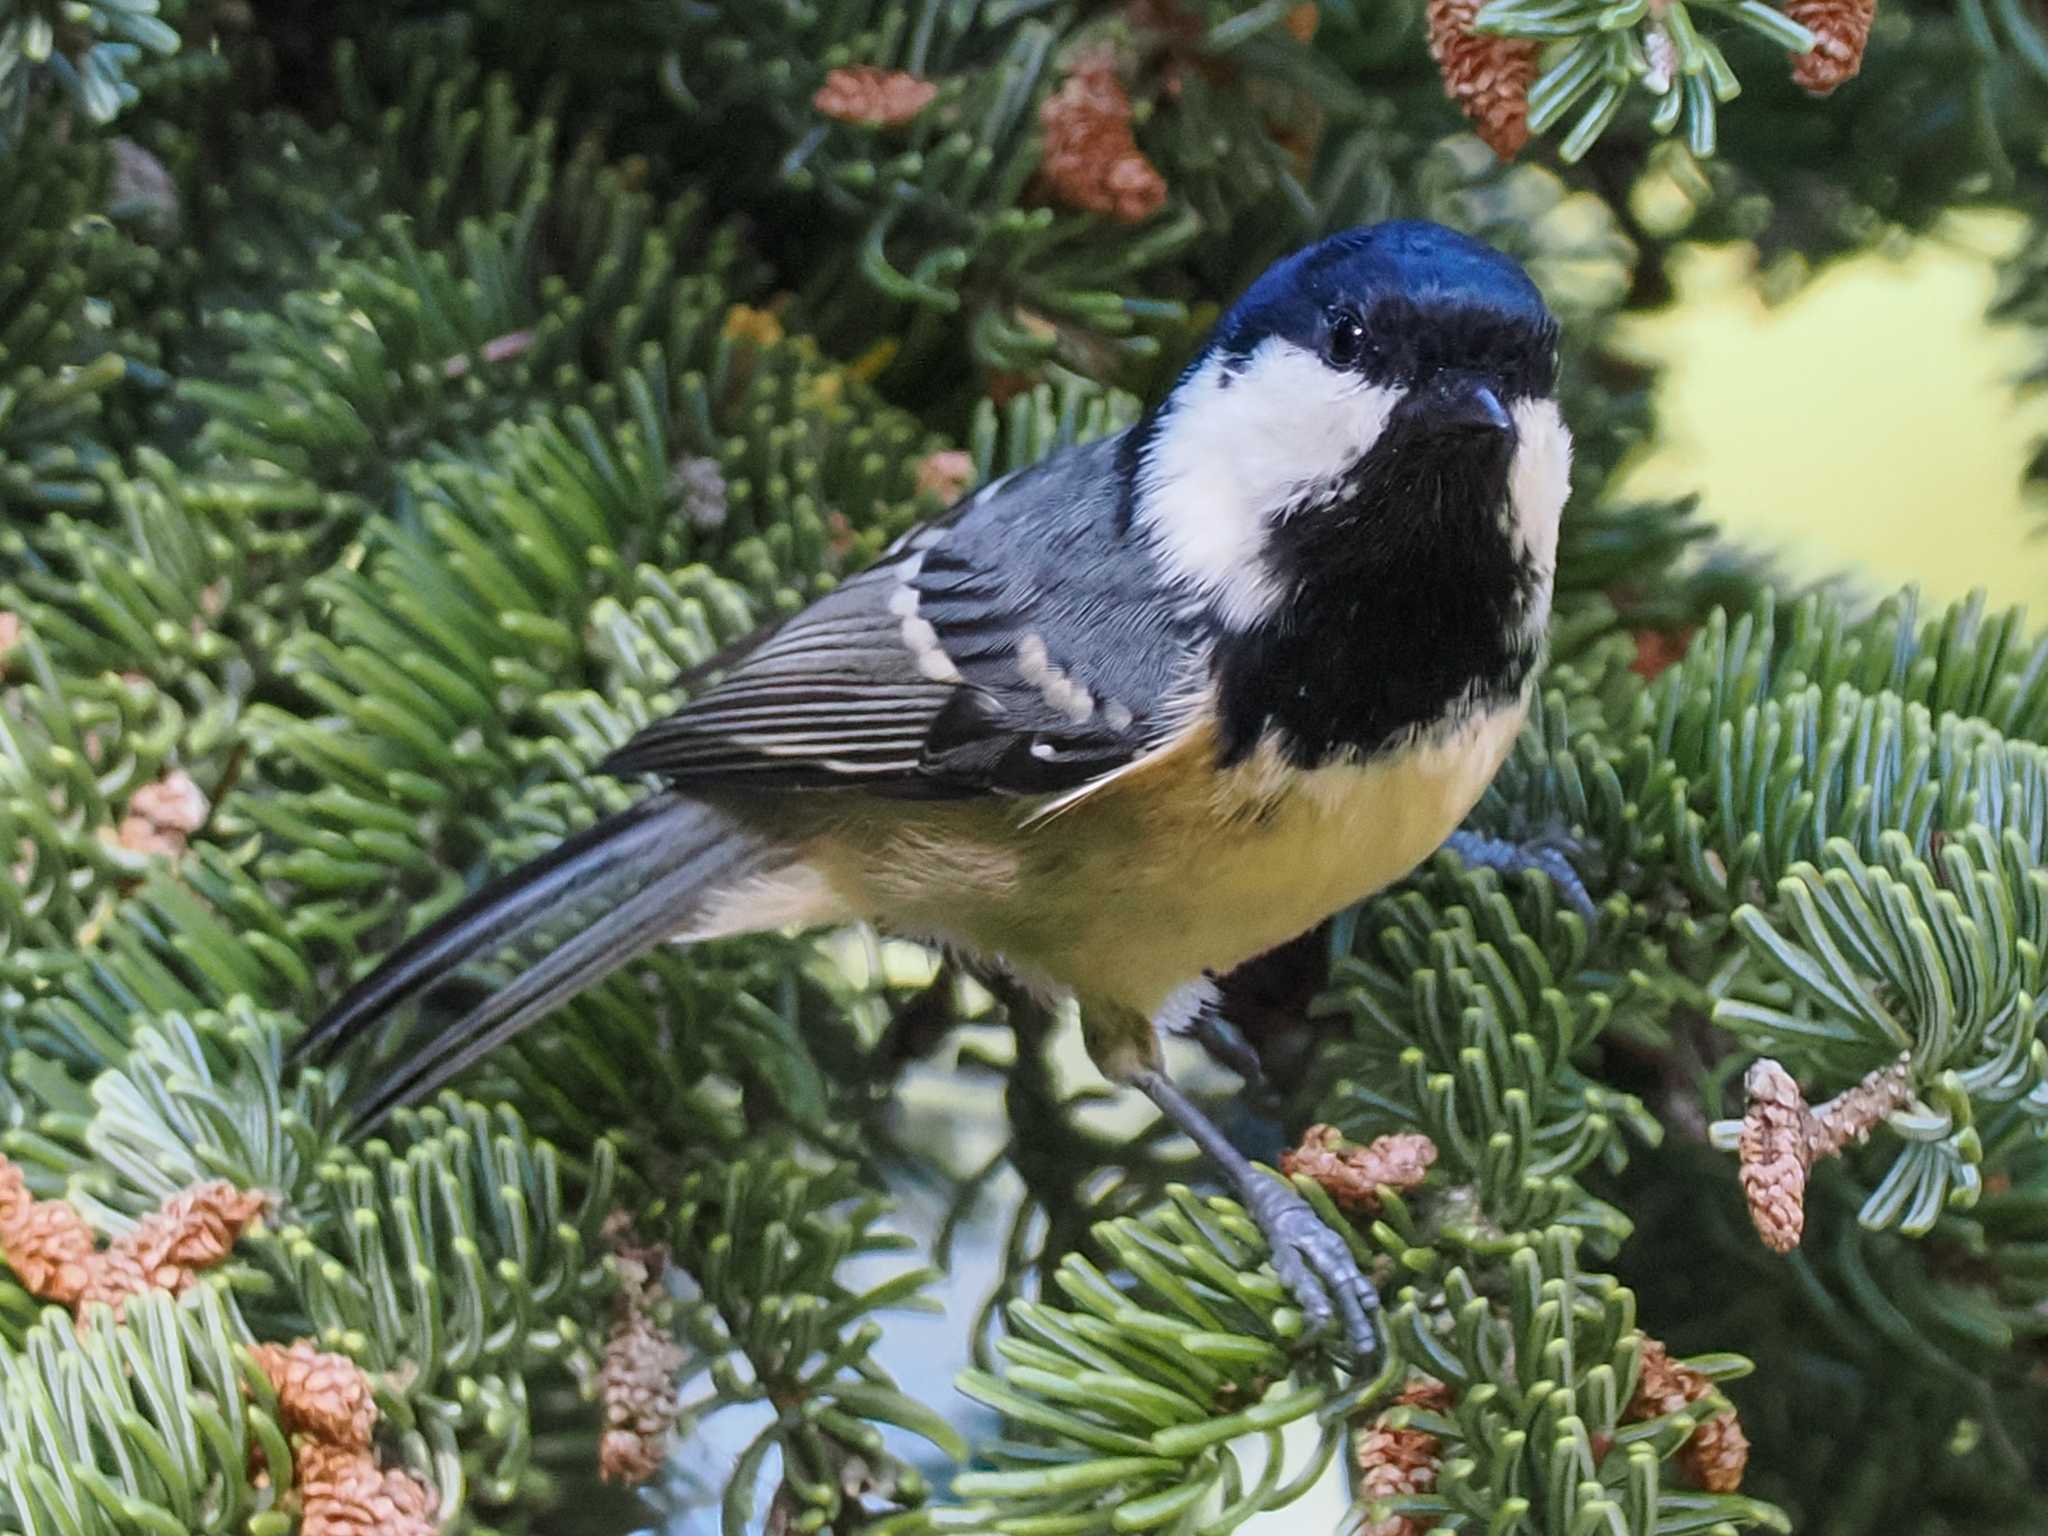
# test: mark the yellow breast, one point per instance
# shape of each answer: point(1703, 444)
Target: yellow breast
point(1168, 868)
point(1163, 871)
point(1211, 869)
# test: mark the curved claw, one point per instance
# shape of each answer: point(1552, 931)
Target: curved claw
point(1319, 1270)
point(1312, 1259)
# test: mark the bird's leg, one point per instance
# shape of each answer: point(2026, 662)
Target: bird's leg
point(1312, 1260)
point(1549, 855)
point(1226, 1044)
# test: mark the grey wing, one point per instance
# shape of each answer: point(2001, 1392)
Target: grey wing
point(1026, 646)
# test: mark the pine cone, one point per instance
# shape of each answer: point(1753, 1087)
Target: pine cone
point(1488, 77)
point(345, 1493)
point(637, 1382)
point(50, 1249)
point(1353, 1175)
point(1781, 1139)
point(1850, 1116)
point(325, 1403)
point(1092, 161)
point(1716, 1454)
point(10, 636)
point(1659, 649)
point(173, 803)
point(162, 815)
point(192, 1231)
point(1665, 1386)
point(878, 98)
point(114, 1276)
point(55, 1254)
point(326, 1397)
point(14, 1196)
point(638, 1388)
point(170, 1247)
point(1394, 1463)
point(1776, 1152)
point(1841, 30)
point(945, 474)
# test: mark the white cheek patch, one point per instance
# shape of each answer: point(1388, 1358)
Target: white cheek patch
point(1539, 479)
point(1236, 451)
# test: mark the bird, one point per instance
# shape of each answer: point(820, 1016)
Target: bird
point(1118, 722)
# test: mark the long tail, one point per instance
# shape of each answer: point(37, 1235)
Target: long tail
point(616, 890)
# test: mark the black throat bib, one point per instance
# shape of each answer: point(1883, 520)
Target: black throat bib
point(1406, 599)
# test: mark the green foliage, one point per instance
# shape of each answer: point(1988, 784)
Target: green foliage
point(1661, 51)
point(1133, 1406)
point(450, 1261)
point(413, 393)
point(86, 47)
point(141, 1427)
point(1467, 1018)
point(453, 1261)
point(1168, 1399)
point(936, 206)
point(57, 257)
point(942, 230)
point(72, 750)
point(1537, 1439)
point(773, 1322)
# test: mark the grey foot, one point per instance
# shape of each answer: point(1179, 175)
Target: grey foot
point(1316, 1265)
point(1312, 1259)
point(1547, 855)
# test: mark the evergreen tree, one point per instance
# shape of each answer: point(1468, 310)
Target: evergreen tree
point(396, 399)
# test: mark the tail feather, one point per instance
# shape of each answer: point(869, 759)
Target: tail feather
point(617, 889)
point(624, 934)
point(499, 914)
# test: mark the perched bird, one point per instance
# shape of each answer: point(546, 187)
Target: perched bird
point(1120, 721)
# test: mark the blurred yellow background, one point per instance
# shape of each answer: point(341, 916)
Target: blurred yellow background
point(1868, 424)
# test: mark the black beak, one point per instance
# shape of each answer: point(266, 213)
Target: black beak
point(1452, 406)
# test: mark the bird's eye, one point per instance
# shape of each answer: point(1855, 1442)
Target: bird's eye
point(1346, 344)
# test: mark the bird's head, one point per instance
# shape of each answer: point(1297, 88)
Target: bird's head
point(1388, 384)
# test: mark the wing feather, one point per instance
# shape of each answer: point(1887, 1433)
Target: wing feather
point(1023, 647)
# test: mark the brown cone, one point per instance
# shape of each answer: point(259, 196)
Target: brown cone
point(325, 1403)
point(636, 1385)
point(344, 1492)
point(1716, 1454)
point(56, 1257)
point(1841, 30)
point(1092, 161)
point(1394, 1463)
point(1488, 77)
point(1352, 1174)
point(879, 98)
point(325, 1396)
